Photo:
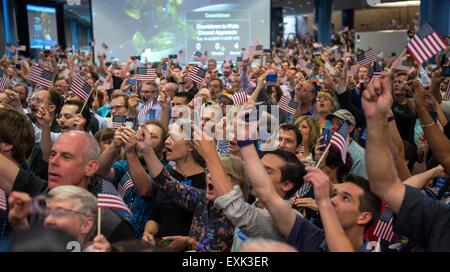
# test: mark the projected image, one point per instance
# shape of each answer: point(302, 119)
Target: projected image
point(42, 26)
point(155, 29)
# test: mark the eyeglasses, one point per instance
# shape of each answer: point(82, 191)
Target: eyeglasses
point(117, 107)
point(61, 212)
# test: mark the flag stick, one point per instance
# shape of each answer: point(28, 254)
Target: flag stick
point(99, 222)
point(323, 155)
point(85, 102)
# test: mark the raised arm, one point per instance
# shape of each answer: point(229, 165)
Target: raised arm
point(337, 240)
point(207, 149)
point(108, 156)
point(283, 216)
point(138, 175)
point(383, 178)
point(438, 142)
point(420, 180)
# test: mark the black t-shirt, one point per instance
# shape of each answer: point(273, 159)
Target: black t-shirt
point(173, 219)
point(405, 120)
point(424, 220)
point(114, 227)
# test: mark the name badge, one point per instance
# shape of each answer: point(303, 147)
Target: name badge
point(151, 114)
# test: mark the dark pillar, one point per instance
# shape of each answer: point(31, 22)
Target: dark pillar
point(348, 18)
point(437, 13)
point(323, 9)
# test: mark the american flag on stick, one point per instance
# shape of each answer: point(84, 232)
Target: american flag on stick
point(197, 75)
point(145, 74)
point(239, 98)
point(81, 88)
point(145, 109)
point(402, 65)
point(287, 104)
point(447, 93)
point(164, 69)
point(40, 76)
point(340, 140)
point(376, 69)
point(2, 200)
point(337, 53)
point(3, 80)
point(307, 67)
point(112, 202)
point(425, 44)
point(366, 57)
point(122, 188)
point(384, 228)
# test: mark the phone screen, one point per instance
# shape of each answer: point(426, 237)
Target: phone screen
point(132, 81)
point(271, 79)
point(446, 71)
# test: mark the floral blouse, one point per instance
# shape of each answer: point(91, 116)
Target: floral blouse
point(210, 229)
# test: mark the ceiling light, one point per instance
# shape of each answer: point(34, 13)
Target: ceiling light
point(397, 4)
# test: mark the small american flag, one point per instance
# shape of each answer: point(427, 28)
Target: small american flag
point(337, 53)
point(287, 104)
point(112, 202)
point(239, 98)
point(145, 74)
point(106, 187)
point(40, 76)
point(197, 75)
point(366, 57)
point(447, 93)
point(255, 50)
point(3, 80)
point(384, 228)
point(164, 69)
point(145, 109)
point(2, 200)
point(81, 88)
point(123, 188)
point(402, 65)
point(307, 67)
point(340, 140)
point(425, 43)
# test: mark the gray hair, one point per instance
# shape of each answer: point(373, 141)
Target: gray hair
point(92, 149)
point(83, 202)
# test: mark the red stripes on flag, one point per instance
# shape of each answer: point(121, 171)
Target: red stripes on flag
point(2, 200)
point(340, 140)
point(122, 189)
point(81, 88)
point(425, 44)
point(197, 75)
point(40, 76)
point(3, 80)
point(111, 202)
point(287, 104)
point(239, 98)
point(145, 74)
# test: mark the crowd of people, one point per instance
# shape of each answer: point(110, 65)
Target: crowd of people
point(178, 186)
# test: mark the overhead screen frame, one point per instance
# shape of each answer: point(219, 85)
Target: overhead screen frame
point(23, 33)
point(97, 44)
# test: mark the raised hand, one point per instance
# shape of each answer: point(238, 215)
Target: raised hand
point(43, 117)
point(145, 140)
point(246, 123)
point(20, 209)
point(321, 184)
point(203, 143)
point(164, 100)
point(128, 138)
point(79, 122)
point(377, 98)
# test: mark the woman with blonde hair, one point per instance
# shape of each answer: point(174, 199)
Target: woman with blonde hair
point(325, 105)
point(310, 130)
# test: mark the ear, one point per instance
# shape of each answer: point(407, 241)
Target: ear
point(287, 186)
point(91, 168)
point(6, 148)
point(51, 108)
point(350, 128)
point(364, 218)
point(87, 226)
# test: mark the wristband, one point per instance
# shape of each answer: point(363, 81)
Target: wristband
point(428, 125)
point(245, 143)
